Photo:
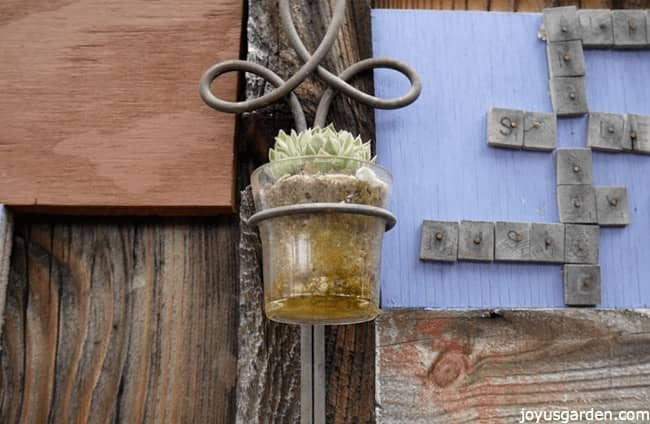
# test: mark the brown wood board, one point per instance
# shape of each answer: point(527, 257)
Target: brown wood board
point(485, 366)
point(100, 111)
point(118, 321)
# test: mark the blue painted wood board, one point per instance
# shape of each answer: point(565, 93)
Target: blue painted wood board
point(444, 169)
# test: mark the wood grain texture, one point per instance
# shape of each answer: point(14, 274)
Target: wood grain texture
point(268, 364)
point(99, 106)
point(484, 366)
point(349, 349)
point(6, 239)
point(444, 169)
point(117, 321)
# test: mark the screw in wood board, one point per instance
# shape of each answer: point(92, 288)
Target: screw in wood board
point(582, 285)
point(540, 131)
point(573, 166)
point(505, 128)
point(439, 241)
point(565, 59)
point(582, 244)
point(512, 241)
point(569, 96)
point(605, 131)
point(638, 128)
point(630, 28)
point(561, 24)
point(577, 204)
point(476, 241)
point(547, 242)
point(612, 205)
point(596, 28)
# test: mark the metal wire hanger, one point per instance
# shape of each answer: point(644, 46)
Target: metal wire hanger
point(312, 63)
point(312, 337)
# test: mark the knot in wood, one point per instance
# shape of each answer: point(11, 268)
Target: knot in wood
point(447, 369)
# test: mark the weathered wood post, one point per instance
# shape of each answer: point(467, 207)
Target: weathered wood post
point(350, 383)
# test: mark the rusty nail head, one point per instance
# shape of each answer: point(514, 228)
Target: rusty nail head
point(477, 240)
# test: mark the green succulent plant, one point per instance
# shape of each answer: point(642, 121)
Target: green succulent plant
point(322, 142)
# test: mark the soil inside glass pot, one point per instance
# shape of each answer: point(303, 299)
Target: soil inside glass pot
point(322, 268)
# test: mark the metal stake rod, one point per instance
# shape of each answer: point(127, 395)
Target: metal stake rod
point(312, 338)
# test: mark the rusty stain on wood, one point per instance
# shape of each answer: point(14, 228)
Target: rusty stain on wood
point(484, 366)
point(100, 111)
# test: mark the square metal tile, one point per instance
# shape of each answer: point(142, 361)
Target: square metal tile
point(630, 28)
point(582, 285)
point(439, 241)
point(639, 132)
point(612, 206)
point(512, 241)
point(540, 131)
point(596, 26)
point(577, 204)
point(565, 59)
point(573, 166)
point(476, 241)
point(606, 131)
point(582, 244)
point(561, 24)
point(569, 96)
point(547, 242)
point(505, 128)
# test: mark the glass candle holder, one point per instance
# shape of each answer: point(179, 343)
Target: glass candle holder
point(321, 268)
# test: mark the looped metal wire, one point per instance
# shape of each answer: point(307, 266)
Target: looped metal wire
point(312, 63)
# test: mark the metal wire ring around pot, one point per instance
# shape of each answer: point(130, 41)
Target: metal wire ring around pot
point(307, 208)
